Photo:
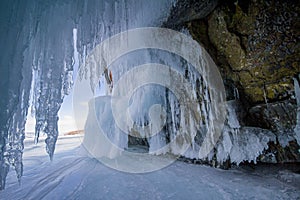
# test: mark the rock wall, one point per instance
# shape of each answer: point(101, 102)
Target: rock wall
point(255, 44)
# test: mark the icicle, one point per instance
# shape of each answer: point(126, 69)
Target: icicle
point(265, 98)
point(297, 95)
point(40, 36)
point(232, 119)
point(236, 93)
point(15, 81)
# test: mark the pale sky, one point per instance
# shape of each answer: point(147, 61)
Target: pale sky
point(68, 119)
point(74, 109)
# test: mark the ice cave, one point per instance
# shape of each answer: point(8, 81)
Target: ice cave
point(170, 99)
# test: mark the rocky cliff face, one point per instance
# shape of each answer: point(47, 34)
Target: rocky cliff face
point(255, 44)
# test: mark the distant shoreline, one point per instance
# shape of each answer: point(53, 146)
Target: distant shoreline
point(75, 132)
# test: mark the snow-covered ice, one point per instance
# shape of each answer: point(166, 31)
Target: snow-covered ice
point(73, 175)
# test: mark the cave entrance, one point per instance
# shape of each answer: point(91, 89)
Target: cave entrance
point(138, 144)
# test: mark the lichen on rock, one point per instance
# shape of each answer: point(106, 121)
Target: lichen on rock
point(255, 44)
point(226, 43)
point(259, 46)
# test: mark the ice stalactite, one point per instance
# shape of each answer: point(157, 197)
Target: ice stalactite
point(53, 64)
point(33, 43)
point(15, 79)
point(183, 128)
point(297, 95)
point(37, 36)
point(38, 49)
point(241, 143)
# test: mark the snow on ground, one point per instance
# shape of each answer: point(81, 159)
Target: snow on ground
point(71, 175)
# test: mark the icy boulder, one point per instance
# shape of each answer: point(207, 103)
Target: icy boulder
point(245, 144)
point(241, 143)
point(102, 136)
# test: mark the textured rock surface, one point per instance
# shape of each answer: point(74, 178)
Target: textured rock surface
point(255, 43)
point(257, 46)
point(277, 116)
point(187, 10)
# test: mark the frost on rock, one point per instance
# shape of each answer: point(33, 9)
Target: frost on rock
point(182, 129)
point(38, 52)
point(241, 143)
point(183, 132)
point(246, 143)
point(297, 94)
point(286, 136)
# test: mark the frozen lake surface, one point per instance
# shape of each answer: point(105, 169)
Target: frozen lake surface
point(72, 175)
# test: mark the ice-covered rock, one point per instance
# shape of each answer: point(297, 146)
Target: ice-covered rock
point(241, 143)
point(245, 144)
point(297, 95)
point(102, 136)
